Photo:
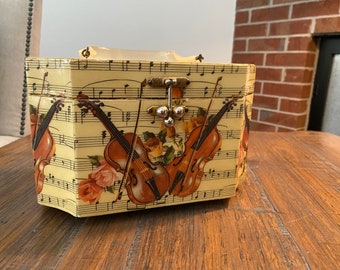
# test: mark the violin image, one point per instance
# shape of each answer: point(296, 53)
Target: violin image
point(145, 181)
point(186, 171)
point(43, 144)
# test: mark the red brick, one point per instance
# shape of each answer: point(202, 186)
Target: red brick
point(268, 74)
point(249, 58)
point(291, 59)
point(240, 4)
point(287, 90)
point(258, 126)
point(290, 27)
point(270, 14)
point(299, 75)
point(241, 17)
point(283, 119)
point(266, 44)
point(254, 113)
point(293, 106)
point(266, 102)
point(251, 30)
point(315, 8)
point(301, 44)
point(327, 25)
point(239, 45)
point(258, 87)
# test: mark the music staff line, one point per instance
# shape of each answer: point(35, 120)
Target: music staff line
point(83, 116)
point(97, 141)
point(72, 187)
point(84, 164)
point(127, 205)
point(51, 180)
point(126, 91)
point(137, 66)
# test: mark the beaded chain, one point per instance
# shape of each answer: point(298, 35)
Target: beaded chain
point(27, 53)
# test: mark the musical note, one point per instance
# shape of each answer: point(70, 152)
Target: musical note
point(103, 136)
point(235, 69)
point(125, 87)
point(202, 73)
point(222, 70)
point(151, 66)
point(110, 63)
point(219, 91)
point(239, 111)
point(165, 67)
point(109, 115)
point(86, 64)
point(216, 175)
point(61, 139)
point(189, 72)
point(83, 113)
point(205, 91)
point(127, 117)
point(75, 144)
point(154, 119)
point(125, 65)
point(68, 114)
point(230, 134)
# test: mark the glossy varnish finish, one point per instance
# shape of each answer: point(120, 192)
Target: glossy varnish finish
point(285, 216)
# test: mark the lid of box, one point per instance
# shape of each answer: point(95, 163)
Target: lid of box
point(103, 78)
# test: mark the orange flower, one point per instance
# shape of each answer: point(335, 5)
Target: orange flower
point(104, 174)
point(170, 132)
point(89, 191)
point(188, 126)
point(154, 147)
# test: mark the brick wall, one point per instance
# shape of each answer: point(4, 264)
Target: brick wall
point(276, 35)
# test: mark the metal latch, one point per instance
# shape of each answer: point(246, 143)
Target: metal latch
point(168, 112)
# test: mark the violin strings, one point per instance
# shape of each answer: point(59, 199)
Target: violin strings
point(132, 154)
point(199, 139)
point(34, 141)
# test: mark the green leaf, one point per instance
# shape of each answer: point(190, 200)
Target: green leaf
point(109, 189)
point(162, 135)
point(200, 111)
point(147, 135)
point(95, 160)
point(169, 155)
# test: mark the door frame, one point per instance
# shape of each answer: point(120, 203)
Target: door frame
point(328, 47)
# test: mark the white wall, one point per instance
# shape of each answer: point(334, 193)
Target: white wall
point(189, 27)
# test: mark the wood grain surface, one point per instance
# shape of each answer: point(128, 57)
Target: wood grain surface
point(285, 216)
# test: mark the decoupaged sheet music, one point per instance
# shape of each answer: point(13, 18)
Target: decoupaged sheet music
point(111, 136)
